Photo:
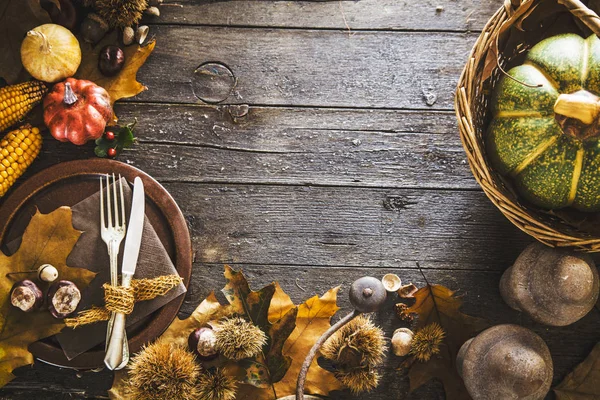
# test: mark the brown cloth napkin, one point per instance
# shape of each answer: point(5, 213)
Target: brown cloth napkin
point(90, 252)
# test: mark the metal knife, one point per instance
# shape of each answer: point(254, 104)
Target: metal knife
point(116, 357)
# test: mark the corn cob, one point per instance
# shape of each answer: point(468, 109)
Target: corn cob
point(18, 149)
point(17, 100)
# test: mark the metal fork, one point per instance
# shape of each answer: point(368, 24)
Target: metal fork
point(112, 233)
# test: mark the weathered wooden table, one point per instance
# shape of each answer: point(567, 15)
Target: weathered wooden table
point(336, 155)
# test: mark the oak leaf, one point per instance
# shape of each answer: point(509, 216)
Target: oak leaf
point(583, 383)
point(437, 303)
point(16, 18)
point(48, 239)
point(125, 83)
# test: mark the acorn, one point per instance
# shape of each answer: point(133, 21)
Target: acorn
point(128, 35)
point(202, 342)
point(141, 33)
point(367, 294)
point(26, 296)
point(111, 60)
point(63, 299)
point(47, 273)
point(153, 11)
point(402, 341)
point(93, 28)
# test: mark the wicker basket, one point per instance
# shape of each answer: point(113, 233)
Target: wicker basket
point(564, 228)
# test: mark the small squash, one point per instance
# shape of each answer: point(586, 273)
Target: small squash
point(77, 111)
point(50, 53)
point(545, 128)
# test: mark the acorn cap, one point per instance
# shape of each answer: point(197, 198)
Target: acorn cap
point(506, 362)
point(553, 286)
point(367, 294)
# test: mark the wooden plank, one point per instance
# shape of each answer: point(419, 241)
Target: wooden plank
point(310, 67)
point(378, 228)
point(344, 147)
point(447, 15)
point(569, 345)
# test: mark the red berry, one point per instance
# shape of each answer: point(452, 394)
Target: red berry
point(109, 135)
point(111, 152)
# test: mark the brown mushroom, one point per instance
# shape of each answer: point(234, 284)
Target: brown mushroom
point(553, 286)
point(506, 362)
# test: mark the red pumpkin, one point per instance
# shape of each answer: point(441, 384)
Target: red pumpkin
point(77, 111)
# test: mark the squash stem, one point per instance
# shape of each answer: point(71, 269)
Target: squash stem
point(70, 97)
point(45, 46)
point(581, 105)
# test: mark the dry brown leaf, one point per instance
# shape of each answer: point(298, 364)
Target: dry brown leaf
point(48, 239)
point(583, 383)
point(124, 84)
point(16, 18)
point(437, 303)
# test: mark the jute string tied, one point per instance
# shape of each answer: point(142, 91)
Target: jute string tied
point(122, 300)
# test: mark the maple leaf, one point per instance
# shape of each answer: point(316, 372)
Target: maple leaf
point(583, 383)
point(16, 18)
point(437, 303)
point(125, 83)
point(48, 239)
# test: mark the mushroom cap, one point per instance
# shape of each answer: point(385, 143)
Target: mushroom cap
point(367, 294)
point(506, 362)
point(553, 286)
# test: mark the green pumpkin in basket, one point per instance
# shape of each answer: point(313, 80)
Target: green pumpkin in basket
point(545, 135)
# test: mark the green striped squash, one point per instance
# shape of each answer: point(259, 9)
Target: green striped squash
point(544, 132)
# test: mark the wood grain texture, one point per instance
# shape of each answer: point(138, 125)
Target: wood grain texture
point(414, 70)
point(447, 15)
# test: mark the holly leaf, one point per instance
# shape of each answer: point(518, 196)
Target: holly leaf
point(437, 303)
point(125, 83)
point(48, 239)
point(124, 138)
point(583, 383)
point(16, 18)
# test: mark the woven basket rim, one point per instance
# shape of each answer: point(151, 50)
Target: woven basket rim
point(468, 96)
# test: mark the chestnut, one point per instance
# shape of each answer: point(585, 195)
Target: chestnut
point(111, 60)
point(202, 342)
point(26, 296)
point(63, 299)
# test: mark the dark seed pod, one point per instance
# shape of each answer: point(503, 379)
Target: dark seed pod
point(202, 342)
point(111, 60)
point(63, 299)
point(65, 15)
point(367, 294)
point(26, 296)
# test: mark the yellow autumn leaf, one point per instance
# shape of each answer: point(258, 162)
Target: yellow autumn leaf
point(48, 239)
point(125, 83)
point(314, 318)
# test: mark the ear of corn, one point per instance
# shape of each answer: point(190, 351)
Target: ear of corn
point(18, 149)
point(17, 100)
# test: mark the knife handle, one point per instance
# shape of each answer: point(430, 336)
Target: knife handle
point(114, 353)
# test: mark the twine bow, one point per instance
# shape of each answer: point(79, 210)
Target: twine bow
point(122, 300)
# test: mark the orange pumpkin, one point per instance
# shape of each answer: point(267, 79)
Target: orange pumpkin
point(77, 111)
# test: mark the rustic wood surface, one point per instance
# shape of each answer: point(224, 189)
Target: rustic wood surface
point(332, 153)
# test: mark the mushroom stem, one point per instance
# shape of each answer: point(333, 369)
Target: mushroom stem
point(313, 351)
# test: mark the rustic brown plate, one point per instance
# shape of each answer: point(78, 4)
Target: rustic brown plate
point(68, 183)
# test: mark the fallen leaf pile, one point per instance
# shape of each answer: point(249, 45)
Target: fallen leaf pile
point(438, 304)
point(291, 330)
point(583, 383)
point(49, 238)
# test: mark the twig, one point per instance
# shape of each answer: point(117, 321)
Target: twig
point(350, 33)
point(300, 287)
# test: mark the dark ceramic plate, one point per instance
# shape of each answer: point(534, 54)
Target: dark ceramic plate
point(68, 183)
